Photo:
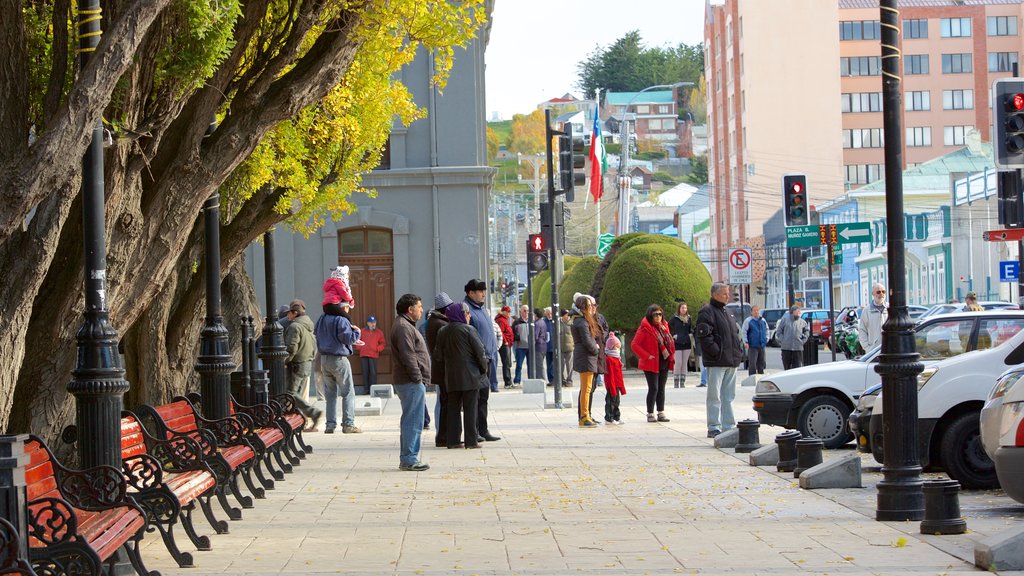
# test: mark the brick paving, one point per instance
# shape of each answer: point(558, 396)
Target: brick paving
point(551, 498)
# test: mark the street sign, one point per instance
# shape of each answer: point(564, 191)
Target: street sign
point(604, 243)
point(802, 236)
point(825, 234)
point(1009, 271)
point(1011, 235)
point(853, 232)
point(837, 257)
point(741, 269)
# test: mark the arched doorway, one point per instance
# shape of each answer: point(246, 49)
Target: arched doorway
point(369, 254)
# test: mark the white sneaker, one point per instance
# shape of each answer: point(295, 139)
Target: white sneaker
point(619, 422)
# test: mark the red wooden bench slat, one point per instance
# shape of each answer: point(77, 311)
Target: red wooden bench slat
point(296, 421)
point(189, 485)
point(270, 436)
point(236, 455)
point(106, 531)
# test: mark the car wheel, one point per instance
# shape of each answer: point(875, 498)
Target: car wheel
point(825, 418)
point(963, 457)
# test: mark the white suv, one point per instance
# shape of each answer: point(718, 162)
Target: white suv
point(951, 394)
point(817, 400)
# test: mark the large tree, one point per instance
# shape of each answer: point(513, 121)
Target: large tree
point(627, 65)
point(303, 94)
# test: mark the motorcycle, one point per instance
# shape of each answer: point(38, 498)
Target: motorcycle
point(845, 336)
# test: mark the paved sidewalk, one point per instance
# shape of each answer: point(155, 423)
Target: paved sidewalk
point(551, 498)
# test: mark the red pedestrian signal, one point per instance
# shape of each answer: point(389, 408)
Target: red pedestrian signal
point(537, 243)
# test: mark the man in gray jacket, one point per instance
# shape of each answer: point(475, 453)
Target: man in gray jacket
point(411, 372)
point(792, 332)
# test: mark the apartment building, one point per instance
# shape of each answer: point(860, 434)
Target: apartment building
point(953, 50)
point(952, 53)
point(772, 110)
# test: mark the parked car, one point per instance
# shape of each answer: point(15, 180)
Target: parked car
point(772, 317)
point(916, 311)
point(814, 318)
point(959, 306)
point(817, 400)
point(1002, 431)
point(738, 314)
point(860, 418)
point(951, 394)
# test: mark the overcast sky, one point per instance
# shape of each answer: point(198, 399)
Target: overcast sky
point(535, 45)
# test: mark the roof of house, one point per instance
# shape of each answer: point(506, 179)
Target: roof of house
point(933, 175)
point(699, 200)
point(654, 213)
point(652, 97)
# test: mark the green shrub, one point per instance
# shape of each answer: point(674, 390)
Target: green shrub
point(542, 283)
point(654, 273)
point(579, 279)
point(653, 239)
point(598, 284)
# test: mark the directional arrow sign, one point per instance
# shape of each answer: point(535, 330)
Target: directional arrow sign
point(854, 232)
point(800, 236)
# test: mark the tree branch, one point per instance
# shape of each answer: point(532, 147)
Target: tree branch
point(25, 179)
point(13, 81)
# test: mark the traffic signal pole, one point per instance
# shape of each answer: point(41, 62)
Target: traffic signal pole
point(556, 266)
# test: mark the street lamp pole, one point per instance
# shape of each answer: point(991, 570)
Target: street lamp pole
point(900, 495)
point(624, 189)
point(98, 385)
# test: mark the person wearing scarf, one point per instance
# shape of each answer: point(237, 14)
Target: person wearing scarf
point(462, 362)
point(655, 351)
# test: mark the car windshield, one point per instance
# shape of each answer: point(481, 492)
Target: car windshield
point(772, 315)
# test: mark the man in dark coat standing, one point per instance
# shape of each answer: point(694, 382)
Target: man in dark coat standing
point(411, 371)
point(460, 358)
point(720, 345)
point(437, 320)
point(476, 298)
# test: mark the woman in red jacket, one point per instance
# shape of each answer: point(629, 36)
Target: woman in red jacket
point(654, 350)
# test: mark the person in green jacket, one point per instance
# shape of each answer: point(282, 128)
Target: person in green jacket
point(301, 345)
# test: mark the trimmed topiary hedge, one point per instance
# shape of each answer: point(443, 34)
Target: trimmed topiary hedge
point(613, 250)
point(579, 279)
point(542, 283)
point(653, 273)
point(652, 239)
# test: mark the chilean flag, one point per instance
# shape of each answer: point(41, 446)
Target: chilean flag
point(598, 160)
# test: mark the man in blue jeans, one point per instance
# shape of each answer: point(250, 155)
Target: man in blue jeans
point(411, 372)
point(335, 336)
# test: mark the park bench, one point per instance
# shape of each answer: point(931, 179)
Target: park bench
point(79, 519)
point(11, 560)
point(295, 423)
point(166, 477)
point(225, 448)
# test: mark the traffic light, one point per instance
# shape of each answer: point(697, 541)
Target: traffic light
point(572, 160)
point(536, 253)
point(794, 195)
point(1008, 124)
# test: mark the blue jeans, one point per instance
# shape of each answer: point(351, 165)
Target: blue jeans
point(337, 381)
point(522, 357)
point(551, 365)
point(413, 397)
point(721, 392)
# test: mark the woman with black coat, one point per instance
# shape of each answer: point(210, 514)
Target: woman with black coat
point(588, 353)
point(463, 362)
point(680, 326)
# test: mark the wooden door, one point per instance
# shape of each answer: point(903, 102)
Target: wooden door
point(368, 254)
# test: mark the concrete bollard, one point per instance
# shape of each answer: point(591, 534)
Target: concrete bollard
point(808, 454)
point(942, 508)
point(749, 439)
point(767, 455)
point(787, 450)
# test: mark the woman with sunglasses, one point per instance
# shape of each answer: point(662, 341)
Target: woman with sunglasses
point(655, 350)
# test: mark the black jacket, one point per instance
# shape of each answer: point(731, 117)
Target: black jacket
point(680, 332)
point(588, 352)
point(719, 336)
point(435, 321)
point(460, 356)
point(412, 361)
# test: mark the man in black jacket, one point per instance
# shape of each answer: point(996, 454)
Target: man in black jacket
point(720, 345)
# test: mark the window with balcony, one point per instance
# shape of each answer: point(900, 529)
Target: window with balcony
point(955, 27)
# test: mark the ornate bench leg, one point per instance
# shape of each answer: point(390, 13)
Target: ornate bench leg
point(133, 556)
point(291, 452)
point(287, 467)
point(219, 526)
point(200, 542)
point(301, 442)
point(246, 474)
point(232, 512)
point(268, 461)
point(257, 468)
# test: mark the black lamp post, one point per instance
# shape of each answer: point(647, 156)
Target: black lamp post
point(272, 350)
point(900, 495)
point(214, 364)
point(98, 385)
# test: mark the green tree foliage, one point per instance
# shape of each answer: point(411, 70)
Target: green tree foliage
point(613, 251)
point(651, 239)
point(542, 283)
point(628, 66)
point(653, 273)
point(698, 170)
point(579, 279)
